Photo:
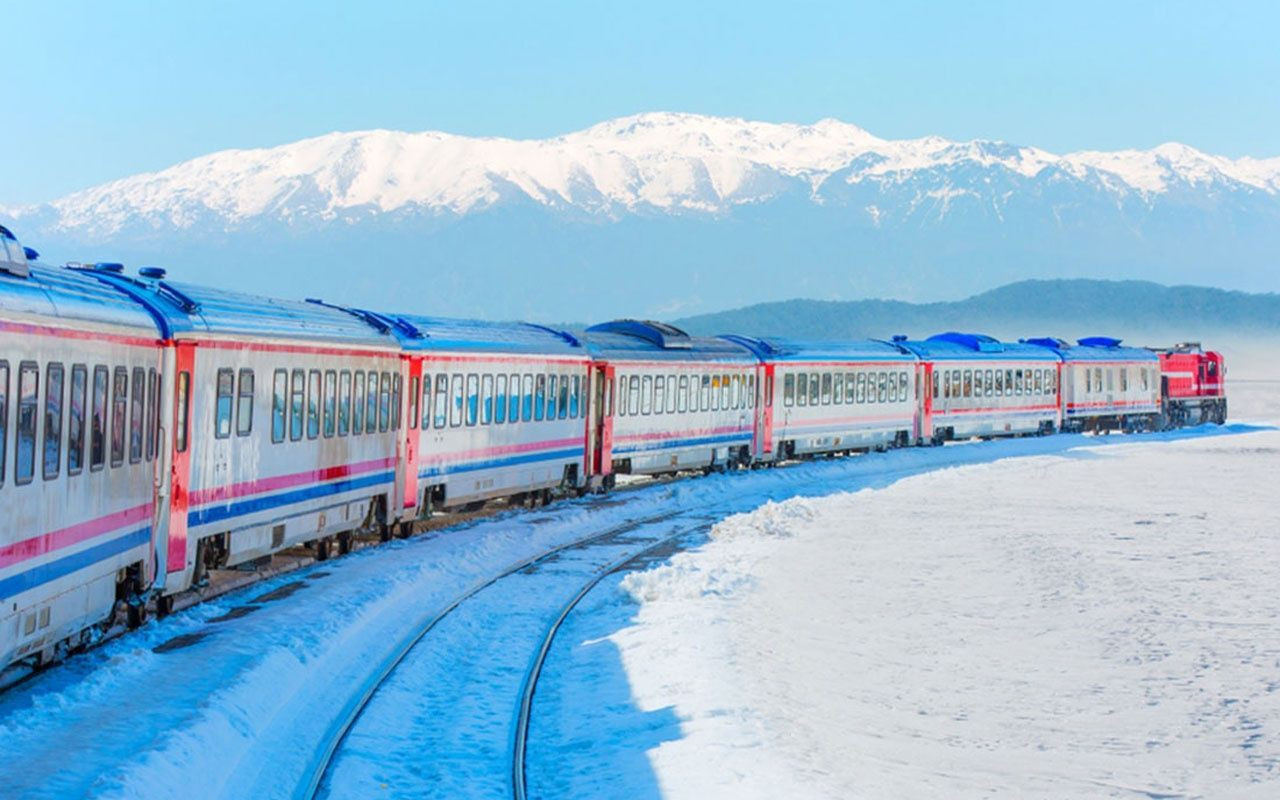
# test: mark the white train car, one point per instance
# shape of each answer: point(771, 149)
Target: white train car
point(1106, 386)
point(495, 410)
point(669, 401)
point(826, 397)
point(980, 386)
point(79, 411)
point(283, 422)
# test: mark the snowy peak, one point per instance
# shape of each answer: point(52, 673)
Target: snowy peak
point(657, 162)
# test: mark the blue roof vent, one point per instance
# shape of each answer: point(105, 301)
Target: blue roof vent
point(1098, 341)
point(13, 256)
point(31, 253)
point(154, 273)
point(973, 341)
point(564, 335)
point(668, 337)
point(1046, 341)
point(109, 266)
point(900, 337)
point(5, 233)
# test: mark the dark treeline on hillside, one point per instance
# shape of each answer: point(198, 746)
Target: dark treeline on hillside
point(1066, 308)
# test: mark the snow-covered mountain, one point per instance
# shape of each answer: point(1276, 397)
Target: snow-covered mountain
point(676, 212)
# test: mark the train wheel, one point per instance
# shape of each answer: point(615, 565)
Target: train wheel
point(164, 606)
point(344, 543)
point(384, 532)
point(322, 549)
point(405, 530)
point(135, 614)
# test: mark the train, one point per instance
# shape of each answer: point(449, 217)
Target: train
point(153, 430)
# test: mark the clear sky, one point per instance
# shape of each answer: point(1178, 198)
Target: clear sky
point(95, 91)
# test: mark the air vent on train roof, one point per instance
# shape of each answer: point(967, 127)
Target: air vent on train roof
point(973, 341)
point(1098, 341)
point(668, 337)
point(13, 256)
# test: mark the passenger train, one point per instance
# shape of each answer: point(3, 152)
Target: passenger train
point(153, 430)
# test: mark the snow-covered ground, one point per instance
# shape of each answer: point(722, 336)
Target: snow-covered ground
point(1096, 622)
point(812, 647)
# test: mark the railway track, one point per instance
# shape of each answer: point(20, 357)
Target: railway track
point(314, 782)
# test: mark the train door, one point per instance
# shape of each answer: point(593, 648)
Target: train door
point(600, 422)
point(764, 419)
point(925, 414)
point(179, 477)
point(407, 455)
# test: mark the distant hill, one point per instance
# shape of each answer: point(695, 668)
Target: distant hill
point(1065, 308)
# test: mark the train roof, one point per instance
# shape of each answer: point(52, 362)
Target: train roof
point(1093, 348)
point(782, 349)
point(657, 341)
point(954, 346)
point(183, 308)
point(67, 294)
point(423, 333)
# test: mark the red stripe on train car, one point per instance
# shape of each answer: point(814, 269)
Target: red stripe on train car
point(71, 535)
point(213, 494)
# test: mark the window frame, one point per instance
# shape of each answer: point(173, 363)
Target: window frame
point(279, 405)
point(224, 402)
point(32, 422)
point(51, 420)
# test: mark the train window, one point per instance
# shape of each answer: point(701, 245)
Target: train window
point(564, 397)
point(1018, 382)
point(413, 403)
point(882, 394)
point(153, 418)
point(630, 400)
point(946, 383)
point(904, 386)
point(53, 385)
point(1051, 381)
point(526, 401)
point(1124, 379)
point(486, 399)
point(371, 403)
point(75, 418)
point(826, 388)
point(802, 389)
point(455, 400)
point(358, 402)
point(473, 398)
point(513, 401)
point(575, 398)
point(988, 384)
point(500, 399)
point(313, 404)
point(137, 414)
point(623, 400)
point(848, 382)
point(426, 401)
point(1088, 380)
point(297, 403)
point(384, 402)
point(226, 389)
point(28, 414)
point(329, 406)
point(1142, 375)
point(999, 386)
point(788, 390)
point(968, 383)
point(814, 389)
point(671, 394)
point(98, 419)
point(279, 393)
point(837, 388)
point(1097, 379)
point(659, 394)
point(860, 390)
point(397, 400)
point(646, 394)
point(1039, 378)
point(540, 396)
point(724, 392)
point(735, 391)
point(4, 417)
point(182, 406)
point(119, 410)
point(1111, 380)
point(716, 386)
point(682, 395)
point(442, 401)
point(893, 387)
point(553, 384)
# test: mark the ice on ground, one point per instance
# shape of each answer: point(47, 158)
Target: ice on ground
point(1101, 622)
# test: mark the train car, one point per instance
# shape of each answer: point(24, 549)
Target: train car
point(1193, 385)
point(79, 419)
point(283, 421)
point(681, 402)
point(1106, 386)
point(981, 386)
point(827, 397)
point(495, 410)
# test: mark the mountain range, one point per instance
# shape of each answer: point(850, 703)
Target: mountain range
point(666, 214)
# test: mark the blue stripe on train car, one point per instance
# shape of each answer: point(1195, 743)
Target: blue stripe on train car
point(432, 472)
point(204, 516)
point(61, 567)
point(674, 443)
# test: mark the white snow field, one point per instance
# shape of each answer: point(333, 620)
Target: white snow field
point(1099, 621)
point(761, 664)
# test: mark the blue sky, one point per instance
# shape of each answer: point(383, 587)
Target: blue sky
point(96, 91)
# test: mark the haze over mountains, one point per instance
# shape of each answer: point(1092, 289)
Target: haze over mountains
point(666, 215)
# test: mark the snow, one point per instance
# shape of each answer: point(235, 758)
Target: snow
point(718, 672)
point(667, 161)
point(1095, 622)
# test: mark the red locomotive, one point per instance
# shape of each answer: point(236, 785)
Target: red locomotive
point(1192, 385)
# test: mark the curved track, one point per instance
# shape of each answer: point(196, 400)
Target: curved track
point(319, 770)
